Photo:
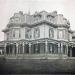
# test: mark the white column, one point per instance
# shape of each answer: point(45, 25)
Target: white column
point(51, 48)
point(46, 49)
point(67, 49)
point(13, 49)
point(58, 48)
point(61, 48)
point(71, 51)
point(9, 49)
point(5, 49)
point(37, 45)
point(23, 47)
point(17, 48)
point(29, 48)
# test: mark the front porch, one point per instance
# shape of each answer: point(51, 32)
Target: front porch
point(37, 49)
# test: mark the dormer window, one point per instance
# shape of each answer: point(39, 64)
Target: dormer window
point(50, 16)
point(38, 15)
point(11, 20)
point(17, 19)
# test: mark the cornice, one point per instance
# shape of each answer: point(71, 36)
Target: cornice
point(36, 24)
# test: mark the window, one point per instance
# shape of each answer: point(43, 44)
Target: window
point(51, 33)
point(17, 19)
point(50, 17)
point(13, 33)
point(36, 33)
point(16, 33)
point(7, 36)
point(10, 34)
point(19, 34)
point(28, 33)
point(60, 34)
point(11, 20)
point(37, 17)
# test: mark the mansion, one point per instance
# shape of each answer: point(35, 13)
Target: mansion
point(37, 35)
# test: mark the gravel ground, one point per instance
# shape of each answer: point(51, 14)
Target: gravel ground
point(26, 66)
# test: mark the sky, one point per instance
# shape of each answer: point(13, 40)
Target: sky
point(9, 7)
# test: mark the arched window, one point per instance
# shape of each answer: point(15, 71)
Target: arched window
point(51, 33)
point(50, 17)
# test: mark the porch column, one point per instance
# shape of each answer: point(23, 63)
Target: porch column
point(71, 51)
point(5, 49)
point(23, 47)
point(13, 49)
point(29, 48)
point(46, 44)
point(58, 48)
point(16, 48)
point(61, 48)
point(50, 48)
point(67, 49)
point(9, 49)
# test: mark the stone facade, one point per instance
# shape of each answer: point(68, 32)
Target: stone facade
point(40, 33)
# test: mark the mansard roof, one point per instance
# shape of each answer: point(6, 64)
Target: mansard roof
point(51, 17)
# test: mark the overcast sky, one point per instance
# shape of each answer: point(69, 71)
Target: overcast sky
point(9, 7)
